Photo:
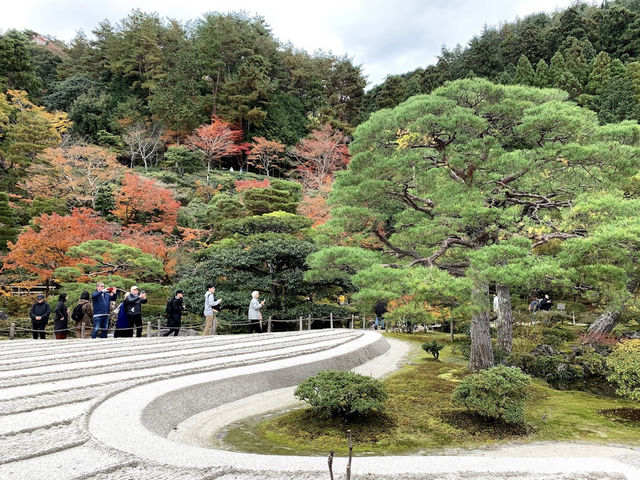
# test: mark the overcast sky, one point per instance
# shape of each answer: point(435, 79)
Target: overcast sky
point(384, 36)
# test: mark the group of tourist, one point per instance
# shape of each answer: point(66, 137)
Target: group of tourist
point(93, 313)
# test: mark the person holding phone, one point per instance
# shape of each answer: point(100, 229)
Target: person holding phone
point(101, 299)
point(133, 305)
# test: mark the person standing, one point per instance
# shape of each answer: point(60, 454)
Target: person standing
point(545, 303)
point(39, 314)
point(82, 314)
point(380, 309)
point(533, 308)
point(255, 315)
point(210, 310)
point(101, 299)
point(174, 310)
point(61, 321)
point(133, 304)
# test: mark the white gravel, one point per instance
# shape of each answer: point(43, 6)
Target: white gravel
point(107, 410)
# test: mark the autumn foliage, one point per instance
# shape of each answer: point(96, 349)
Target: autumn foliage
point(42, 247)
point(215, 140)
point(320, 154)
point(141, 203)
point(248, 184)
point(266, 154)
point(75, 173)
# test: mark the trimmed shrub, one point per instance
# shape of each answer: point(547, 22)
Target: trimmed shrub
point(624, 364)
point(498, 393)
point(594, 364)
point(557, 335)
point(334, 393)
point(433, 348)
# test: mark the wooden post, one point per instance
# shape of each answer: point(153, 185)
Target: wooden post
point(330, 462)
point(300, 320)
point(364, 322)
point(574, 317)
point(12, 331)
point(149, 329)
point(350, 455)
point(351, 325)
point(158, 327)
point(331, 327)
point(82, 330)
point(269, 325)
point(309, 323)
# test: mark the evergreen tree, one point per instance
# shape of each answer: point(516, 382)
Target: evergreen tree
point(8, 230)
point(524, 72)
point(600, 74)
point(543, 77)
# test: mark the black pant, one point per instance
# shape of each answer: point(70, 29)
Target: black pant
point(38, 325)
point(174, 330)
point(135, 320)
point(254, 325)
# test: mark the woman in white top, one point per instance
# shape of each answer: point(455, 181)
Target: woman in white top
point(255, 316)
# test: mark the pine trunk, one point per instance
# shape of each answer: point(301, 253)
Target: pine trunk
point(604, 324)
point(505, 318)
point(481, 348)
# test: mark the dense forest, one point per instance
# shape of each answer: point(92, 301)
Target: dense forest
point(172, 155)
point(592, 52)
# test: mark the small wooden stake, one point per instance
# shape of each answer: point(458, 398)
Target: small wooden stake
point(350, 455)
point(330, 462)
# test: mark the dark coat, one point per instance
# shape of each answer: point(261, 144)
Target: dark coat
point(174, 312)
point(61, 321)
point(380, 309)
point(133, 304)
point(40, 310)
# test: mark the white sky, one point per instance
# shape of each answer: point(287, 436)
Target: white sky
point(384, 36)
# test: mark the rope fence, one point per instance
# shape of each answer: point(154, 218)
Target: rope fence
point(266, 325)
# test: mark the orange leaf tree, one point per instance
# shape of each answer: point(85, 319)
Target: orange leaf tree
point(145, 204)
point(42, 246)
point(248, 184)
point(75, 173)
point(266, 154)
point(153, 245)
point(215, 141)
point(320, 154)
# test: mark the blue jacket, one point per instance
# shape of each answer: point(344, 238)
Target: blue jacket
point(101, 302)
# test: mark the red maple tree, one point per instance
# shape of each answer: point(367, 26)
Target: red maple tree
point(42, 246)
point(215, 140)
point(320, 154)
point(142, 203)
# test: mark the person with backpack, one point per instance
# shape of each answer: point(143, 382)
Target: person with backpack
point(534, 306)
point(380, 309)
point(82, 314)
point(61, 322)
point(39, 314)
point(174, 311)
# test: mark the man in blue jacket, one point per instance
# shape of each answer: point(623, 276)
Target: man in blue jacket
point(101, 298)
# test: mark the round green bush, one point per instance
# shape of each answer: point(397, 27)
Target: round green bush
point(624, 365)
point(498, 393)
point(333, 393)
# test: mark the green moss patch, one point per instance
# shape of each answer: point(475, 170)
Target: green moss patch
point(420, 417)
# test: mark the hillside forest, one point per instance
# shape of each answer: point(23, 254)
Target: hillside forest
point(174, 154)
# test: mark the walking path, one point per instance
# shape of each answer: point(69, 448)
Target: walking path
point(145, 408)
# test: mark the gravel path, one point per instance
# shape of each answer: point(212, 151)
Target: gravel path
point(133, 409)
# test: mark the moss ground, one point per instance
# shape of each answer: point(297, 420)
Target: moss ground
point(420, 417)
